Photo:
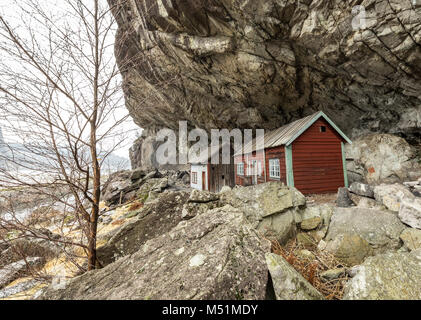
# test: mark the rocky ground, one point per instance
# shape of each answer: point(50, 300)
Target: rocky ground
point(158, 239)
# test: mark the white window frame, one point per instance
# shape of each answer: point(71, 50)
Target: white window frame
point(274, 169)
point(194, 177)
point(240, 169)
point(259, 168)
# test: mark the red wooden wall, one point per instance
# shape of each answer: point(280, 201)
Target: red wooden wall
point(244, 180)
point(276, 153)
point(317, 160)
point(270, 153)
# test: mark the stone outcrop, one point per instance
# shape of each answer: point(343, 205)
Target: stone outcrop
point(362, 189)
point(253, 64)
point(155, 218)
point(389, 276)
point(411, 238)
point(349, 248)
point(383, 158)
point(199, 202)
point(381, 229)
point(29, 246)
point(410, 212)
point(288, 284)
point(127, 185)
point(274, 209)
point(312, 215)
point(121, 186)
point(18, 269)
point(398, 198)
point(392, 195)
point(216, 255)
point(343, 199)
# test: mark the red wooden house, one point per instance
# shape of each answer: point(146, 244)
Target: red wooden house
point(308, 154)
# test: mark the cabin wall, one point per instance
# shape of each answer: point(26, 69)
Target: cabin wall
point(247, 179)
point(317, 160)
point(276, 153)
point(220, 175)
point(199, 169)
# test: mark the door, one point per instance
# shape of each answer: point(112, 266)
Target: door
point(203, 180)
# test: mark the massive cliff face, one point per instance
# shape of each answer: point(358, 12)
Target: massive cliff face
point(263, 63)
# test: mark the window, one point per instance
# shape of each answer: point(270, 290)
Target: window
point(322, 129)
point(274, 169)
point(240, 169)
point(254, 168)
point(194, 177)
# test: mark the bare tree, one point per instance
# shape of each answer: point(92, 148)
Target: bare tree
point(61, 101)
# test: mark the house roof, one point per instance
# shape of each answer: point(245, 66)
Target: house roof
point(287, 134)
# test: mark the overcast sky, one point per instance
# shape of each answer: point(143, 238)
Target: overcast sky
point(8, 9)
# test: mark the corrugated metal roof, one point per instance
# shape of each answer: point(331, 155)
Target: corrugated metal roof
point(288, 133)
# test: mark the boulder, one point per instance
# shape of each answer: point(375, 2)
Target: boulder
point(272, 207)
point(306, 255)
point(392, 195)
point(216, 255)
point(383, 158)
point(362, 189)
point(198, 196)
point(323, 211)
point(349, 249)
point(410, 212)
point(344, 199)
point(288, 284)
point(199, 202)
point(225, 189)
point(18, 269)
point(306, 240)
point(388, 276)
point(18, 288)
point(411, 238)
point(263, 200)
point(333, 274)
point(150, 189)
point(368, 203)
point(122, 186)
point(310, 224)
point(381, 229)
point(192, 209)
point(30, 246)
point(280, 227)
point(154, 219)
point(311, 215)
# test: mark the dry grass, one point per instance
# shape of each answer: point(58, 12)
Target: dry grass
point(117, 222)
point(322, 198)
point(135, 206)
point(311, 269)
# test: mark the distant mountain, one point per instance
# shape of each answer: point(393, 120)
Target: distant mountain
point(16, 156)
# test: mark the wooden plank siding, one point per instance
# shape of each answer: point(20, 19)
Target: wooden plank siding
point(317, 160)
point(220, 175)
point(246, 180)
point(270, 153)
point(276, 153)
